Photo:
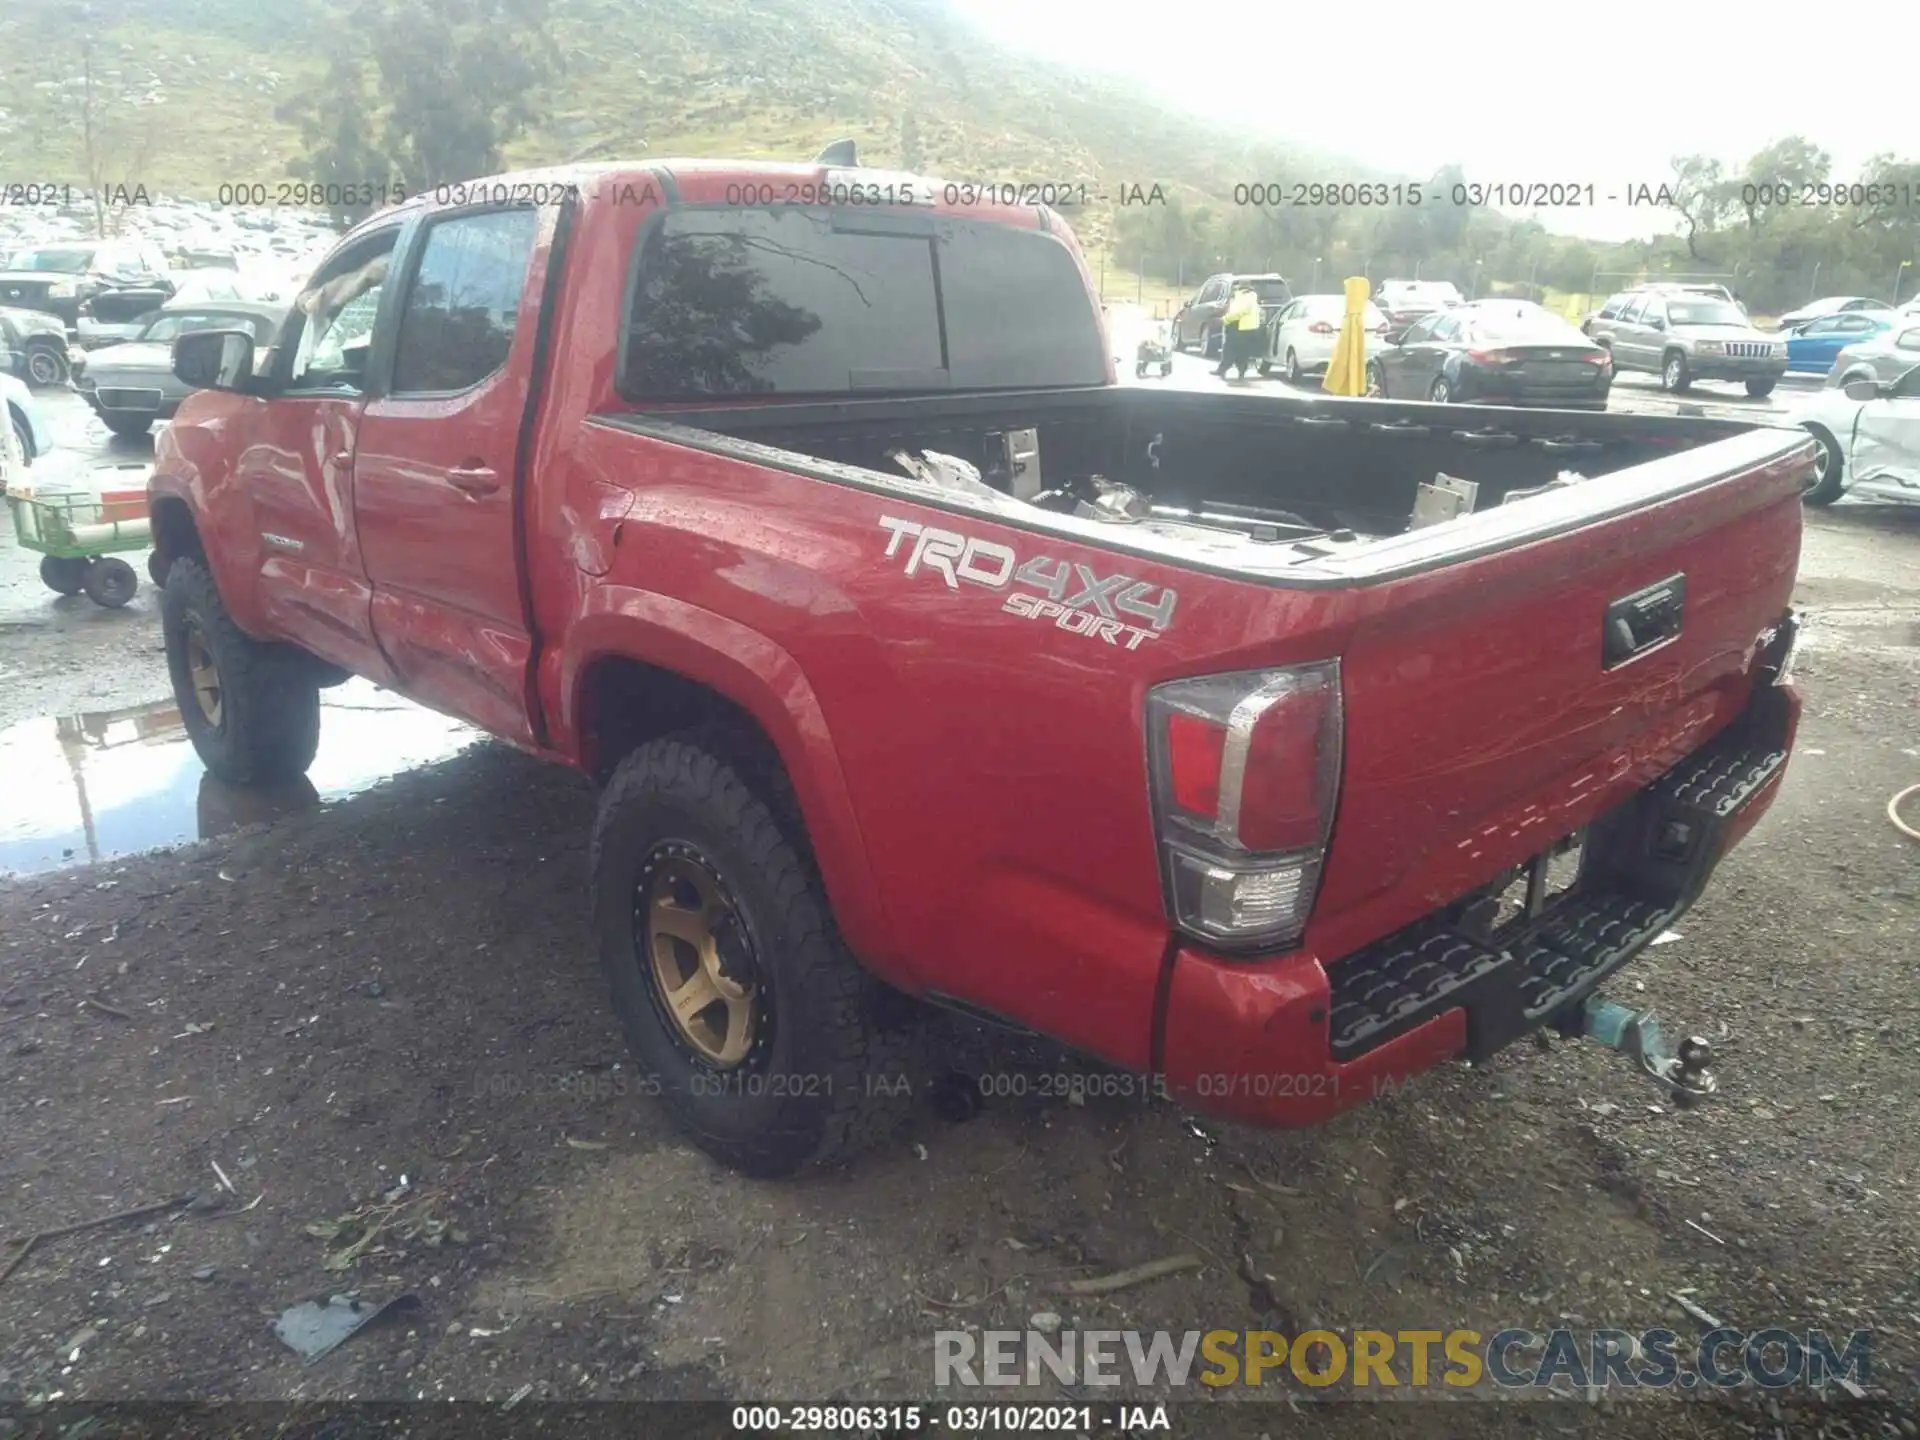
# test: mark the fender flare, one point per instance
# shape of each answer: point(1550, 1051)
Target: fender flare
point(754, 672)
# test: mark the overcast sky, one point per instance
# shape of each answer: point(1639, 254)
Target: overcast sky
point(1514, 92)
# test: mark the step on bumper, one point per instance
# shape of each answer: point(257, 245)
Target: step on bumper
point(1644, 868)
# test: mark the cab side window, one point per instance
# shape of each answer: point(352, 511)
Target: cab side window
point(463, 300)
point(335, 314)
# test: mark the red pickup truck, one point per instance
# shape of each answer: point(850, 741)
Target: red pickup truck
point(920, 661)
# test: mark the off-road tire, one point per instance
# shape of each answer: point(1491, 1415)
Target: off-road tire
point(1829, 481)
point(127, 427)
point(269, 725)
point(63, 574)
point(111, 582)
point(1673, 373)
point(845, 1054)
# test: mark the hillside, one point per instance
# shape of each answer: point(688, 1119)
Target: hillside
point(702, 77)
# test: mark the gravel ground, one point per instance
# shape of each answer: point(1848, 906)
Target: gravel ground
point(383, 1013)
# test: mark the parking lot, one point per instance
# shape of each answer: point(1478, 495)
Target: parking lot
point(1632, 392)
point(374, 1026)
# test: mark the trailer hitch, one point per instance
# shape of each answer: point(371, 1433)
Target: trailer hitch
point(1682, 1072)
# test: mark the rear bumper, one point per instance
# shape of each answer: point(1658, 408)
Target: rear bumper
point(1291, 1041)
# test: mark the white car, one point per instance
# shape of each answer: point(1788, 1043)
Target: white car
point(1868, 435)
point(1301, 338)
point(27, 434)
point(1833, 305)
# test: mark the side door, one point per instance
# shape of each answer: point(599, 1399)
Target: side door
point(1447, 332)
point(1812, 347)
point(1629, 345)
point(1280, 331)
point(1398, 363)
point(1193, 323)
point(433, 476)
point(1886, 437)
point(296, 461)
point(1854, 328)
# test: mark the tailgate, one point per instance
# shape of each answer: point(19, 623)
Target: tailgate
point(1486, 715)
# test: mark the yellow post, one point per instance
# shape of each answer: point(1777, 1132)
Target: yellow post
point(1347, 375)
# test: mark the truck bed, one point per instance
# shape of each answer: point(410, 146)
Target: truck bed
point(1278, 470)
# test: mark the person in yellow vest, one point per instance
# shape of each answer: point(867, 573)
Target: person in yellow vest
point(1240, 331)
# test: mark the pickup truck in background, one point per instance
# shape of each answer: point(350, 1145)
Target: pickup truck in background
point(918, 660)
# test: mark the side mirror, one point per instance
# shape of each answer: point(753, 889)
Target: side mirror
point(1862, 390)
point(1657, 322)
point(216, 360)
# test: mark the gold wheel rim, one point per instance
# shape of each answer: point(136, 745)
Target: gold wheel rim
point(205, 677)
point(715, 1015)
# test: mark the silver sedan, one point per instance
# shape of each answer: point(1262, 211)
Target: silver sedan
point(1883, 359)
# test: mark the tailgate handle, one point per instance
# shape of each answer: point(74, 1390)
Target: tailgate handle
point(1485, 437)
point(1318, 420)
point(1559, 447)
point(1636, 623)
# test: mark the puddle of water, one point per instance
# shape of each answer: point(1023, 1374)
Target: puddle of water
point(80, 788)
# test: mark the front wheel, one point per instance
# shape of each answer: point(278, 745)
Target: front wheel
point(46, 365)
point(251, 710)
point(1760, 389)
point(1829, 474)
point(1674, 375)
point(772, 1047)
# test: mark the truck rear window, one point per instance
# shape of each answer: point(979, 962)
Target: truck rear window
point(793, 301)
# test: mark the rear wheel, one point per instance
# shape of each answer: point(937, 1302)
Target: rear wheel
point(1829, 468)
point(1441, 393)
point(1294, 375)
point(251, 710)
point(1212, 342)
point(111, 582)
point(1673, 373)
point(774, 1049)
point(62, 574)
point(22, 439)
point(1760, 389)
point(1376, 380)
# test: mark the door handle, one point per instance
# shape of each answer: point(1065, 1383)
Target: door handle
point(473, 479)
point(342, 458)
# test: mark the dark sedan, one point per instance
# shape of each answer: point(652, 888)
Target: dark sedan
point(132, 384)
point(1494, 352)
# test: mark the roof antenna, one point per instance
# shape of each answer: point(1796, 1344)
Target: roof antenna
point(839, 154)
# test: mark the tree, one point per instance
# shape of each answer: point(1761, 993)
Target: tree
point(423, 92)
point(1699, 195)
point(118, 133)
point(912, 153)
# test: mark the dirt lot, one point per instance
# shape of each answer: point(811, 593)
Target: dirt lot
point(385, 1012)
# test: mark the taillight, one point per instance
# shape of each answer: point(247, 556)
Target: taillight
point(1489, 357)
point(1321, 327)
point(1245, 770)
point(1599, 358)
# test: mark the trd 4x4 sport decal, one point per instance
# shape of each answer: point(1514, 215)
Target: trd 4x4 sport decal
point(1069, 594)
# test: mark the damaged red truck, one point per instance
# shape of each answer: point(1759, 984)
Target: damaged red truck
point(920, 661)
